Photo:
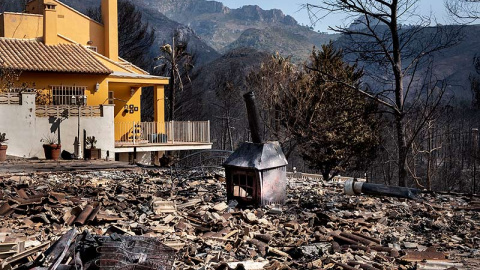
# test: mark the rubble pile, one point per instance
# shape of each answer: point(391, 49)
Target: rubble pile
point(318, 228)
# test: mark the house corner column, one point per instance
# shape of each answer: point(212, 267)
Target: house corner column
point(159, 107)
point(109, 129)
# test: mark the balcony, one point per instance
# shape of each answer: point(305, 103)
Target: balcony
point(152, 136)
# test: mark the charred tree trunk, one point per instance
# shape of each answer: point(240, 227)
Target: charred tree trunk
point(229, 130)
point(430, 155)
point(399, 98)
point(402, 152)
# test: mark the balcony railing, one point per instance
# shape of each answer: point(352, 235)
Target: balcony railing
point(174, 132)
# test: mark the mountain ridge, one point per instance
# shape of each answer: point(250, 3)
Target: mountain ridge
point(222, 27)
point(211, 22)
point(164, 29)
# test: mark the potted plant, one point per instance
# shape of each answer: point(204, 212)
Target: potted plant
point(92, 152)
point(3, 147)
point(51, 147)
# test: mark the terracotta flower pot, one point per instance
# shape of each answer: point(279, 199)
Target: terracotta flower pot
point(52, 151)
point(3, 152)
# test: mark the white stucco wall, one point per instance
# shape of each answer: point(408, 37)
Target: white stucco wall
point(24, 130)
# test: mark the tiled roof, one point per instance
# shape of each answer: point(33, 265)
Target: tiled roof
point(34, 55)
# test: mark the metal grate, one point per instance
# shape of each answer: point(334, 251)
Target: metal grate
point(243, 185)
point(134, 252)
point(62, 94)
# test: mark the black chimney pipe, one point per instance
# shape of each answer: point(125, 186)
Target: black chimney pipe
point(253, 119)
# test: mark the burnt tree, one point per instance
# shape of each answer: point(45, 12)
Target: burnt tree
point(393, 53)
point(333, 125)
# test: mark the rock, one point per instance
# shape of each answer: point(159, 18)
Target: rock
point(410, 245)
point(317, 263)
point(220, 207)
point(251, 217)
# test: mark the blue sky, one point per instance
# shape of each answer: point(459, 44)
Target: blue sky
point(293, 8)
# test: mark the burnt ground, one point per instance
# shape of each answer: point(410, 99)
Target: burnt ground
point(318, 228)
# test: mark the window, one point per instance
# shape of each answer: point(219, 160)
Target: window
point(62, 95)
point(243, 185)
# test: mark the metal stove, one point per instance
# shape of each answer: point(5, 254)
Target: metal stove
point(256, 172)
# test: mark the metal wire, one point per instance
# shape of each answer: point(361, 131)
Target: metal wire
point(134, 252)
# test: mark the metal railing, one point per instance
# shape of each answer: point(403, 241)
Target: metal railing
point(137, 133)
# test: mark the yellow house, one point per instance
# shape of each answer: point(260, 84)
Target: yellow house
point(71, 59)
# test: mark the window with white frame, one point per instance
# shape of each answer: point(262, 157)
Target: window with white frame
point(62, 94)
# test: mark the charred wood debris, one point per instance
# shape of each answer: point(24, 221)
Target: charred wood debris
point(143, 219)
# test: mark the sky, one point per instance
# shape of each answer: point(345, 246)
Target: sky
point(293, 8)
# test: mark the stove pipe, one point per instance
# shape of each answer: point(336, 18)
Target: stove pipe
point(253, 118)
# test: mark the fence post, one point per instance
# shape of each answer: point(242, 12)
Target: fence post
point(173, 131)
point(134, 129)
point(189, 132)
point(208, 131)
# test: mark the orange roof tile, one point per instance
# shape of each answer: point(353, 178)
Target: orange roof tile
point(33, 55)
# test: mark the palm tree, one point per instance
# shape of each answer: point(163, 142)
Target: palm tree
point(175, 62)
